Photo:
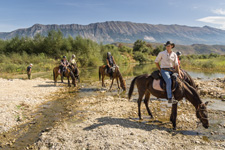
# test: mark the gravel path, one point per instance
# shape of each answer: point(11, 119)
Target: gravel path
point(20, 96)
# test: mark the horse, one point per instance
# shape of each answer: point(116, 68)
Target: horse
point(75, 71)
point(116, 75)
point(183, 89)
point(67, 74)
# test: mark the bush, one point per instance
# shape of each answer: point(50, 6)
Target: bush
point(208, 64)
point(138, 56)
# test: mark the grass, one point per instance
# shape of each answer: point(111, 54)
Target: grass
point(210, 64)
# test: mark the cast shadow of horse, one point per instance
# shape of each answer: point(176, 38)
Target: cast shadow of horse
point(127, 123)
point(47, 85)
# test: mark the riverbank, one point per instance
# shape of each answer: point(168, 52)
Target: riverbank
point(90, 117)
point(19, 98)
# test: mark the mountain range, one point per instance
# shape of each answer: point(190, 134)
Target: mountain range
point(129, 32)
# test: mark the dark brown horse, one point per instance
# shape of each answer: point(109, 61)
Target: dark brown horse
point(68, 73)
point(145, 87)
point(116, 75)
point(76, 71)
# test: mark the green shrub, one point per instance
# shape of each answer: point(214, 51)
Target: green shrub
point(208, 64)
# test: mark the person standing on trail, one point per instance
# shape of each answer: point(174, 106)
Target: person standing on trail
point(168, 61)
point(29, 68)
point(110, 63)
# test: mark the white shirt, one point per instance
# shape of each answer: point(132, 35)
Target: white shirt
point(167, 60)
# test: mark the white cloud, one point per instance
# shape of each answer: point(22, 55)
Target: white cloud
point(149, 38)
point(218, 20)
point(219, 11)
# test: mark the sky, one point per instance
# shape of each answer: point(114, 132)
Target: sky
point(15, 14)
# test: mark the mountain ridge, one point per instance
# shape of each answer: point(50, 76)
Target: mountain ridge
point(129, 32)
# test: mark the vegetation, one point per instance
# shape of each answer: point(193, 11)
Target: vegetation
point(45, 53)
point(208, 62)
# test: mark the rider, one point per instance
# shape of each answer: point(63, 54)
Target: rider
point(72, 60)
point(110, 63)
point(168, 61)
point(178, 57)
point(63, 65)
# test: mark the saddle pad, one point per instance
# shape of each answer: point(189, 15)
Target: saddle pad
point(156, 85)
point(160, 85)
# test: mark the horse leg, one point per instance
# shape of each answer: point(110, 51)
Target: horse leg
point(68, 81)
point(118, 83)
point(146, 100)
point(103, 84)
point(173, 116)
point(55, 78)
point(111, 84)
point(61, 77)
point(141, 94)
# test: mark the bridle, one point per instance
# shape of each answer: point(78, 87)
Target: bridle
point(199, 112)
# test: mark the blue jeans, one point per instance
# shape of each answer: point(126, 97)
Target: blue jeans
point(167, 79)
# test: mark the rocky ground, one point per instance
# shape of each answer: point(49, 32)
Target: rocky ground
point(214, 88)
point(22, 96)
point(99, 119)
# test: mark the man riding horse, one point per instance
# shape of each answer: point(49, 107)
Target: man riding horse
point(168, 61)
point(110, 63)
point(63, 65)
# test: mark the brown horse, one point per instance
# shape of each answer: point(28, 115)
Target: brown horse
point(116, 75)
point(67, 74)
point(145, 87)
point(76, 71)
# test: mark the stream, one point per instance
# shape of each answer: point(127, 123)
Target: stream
point(60, 109)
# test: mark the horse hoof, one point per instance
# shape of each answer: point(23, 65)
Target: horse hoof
point(174, 128)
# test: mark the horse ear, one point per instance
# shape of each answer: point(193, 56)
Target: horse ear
point(206, 103)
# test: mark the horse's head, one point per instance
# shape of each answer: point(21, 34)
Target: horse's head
point(123, 85)
point(202, 114)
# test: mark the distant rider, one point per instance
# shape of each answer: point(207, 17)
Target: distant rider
point(73, 61)
point(168, 61)
point(110, 63)
point(178, 57)
point(64, 64)
point(29, 71)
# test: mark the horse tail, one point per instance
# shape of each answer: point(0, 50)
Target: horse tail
point(131, 87)
point(99, 73)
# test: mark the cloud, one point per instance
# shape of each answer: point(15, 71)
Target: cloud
point(149, 38)
point(219, 11)
point(218, 20)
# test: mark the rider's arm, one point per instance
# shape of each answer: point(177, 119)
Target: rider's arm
point(157, 65)
point(157, 60)
point(113, 60)
point(177, 66)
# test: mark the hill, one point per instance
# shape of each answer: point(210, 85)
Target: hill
point(128, 32)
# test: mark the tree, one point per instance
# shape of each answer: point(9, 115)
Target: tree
point(157, 50)
point(138, 45)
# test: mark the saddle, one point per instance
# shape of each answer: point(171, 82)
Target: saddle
point(112, 69)
point(159, 83)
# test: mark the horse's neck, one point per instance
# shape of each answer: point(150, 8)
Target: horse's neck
point(192, 96)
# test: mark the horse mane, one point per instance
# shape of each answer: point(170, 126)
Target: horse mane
point(193, 91)
point(190, 80)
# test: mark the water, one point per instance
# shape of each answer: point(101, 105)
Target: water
point(53, 112)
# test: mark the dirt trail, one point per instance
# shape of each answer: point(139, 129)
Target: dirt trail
point(92, 118)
